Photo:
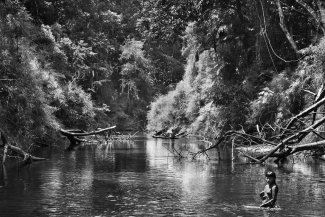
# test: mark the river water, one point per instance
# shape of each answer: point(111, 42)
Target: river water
point(142, 178)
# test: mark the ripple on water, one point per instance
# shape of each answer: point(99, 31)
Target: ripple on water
point(139, 180)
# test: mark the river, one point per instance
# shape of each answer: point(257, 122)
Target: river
point(142, 178)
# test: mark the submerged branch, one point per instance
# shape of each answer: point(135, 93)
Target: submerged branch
point(27, 157)
point(230, 133)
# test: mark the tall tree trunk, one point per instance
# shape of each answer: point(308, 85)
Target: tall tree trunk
point(284, 28)
point(318, 14)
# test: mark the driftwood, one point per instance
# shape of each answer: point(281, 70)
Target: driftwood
point(287, 142)
point(73, 135)
point(297, 148)
point(181, 134)
point(299, 136)
point(253, 140)
point(27, 157)
point(173, 133)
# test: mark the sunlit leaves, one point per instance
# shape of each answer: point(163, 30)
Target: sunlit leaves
point(136, 70)
point(132, 49)
point(77, 54)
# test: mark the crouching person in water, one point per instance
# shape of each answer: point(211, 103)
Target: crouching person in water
point(270, 192)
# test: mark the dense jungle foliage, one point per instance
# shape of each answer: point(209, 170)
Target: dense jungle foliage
point(206, 66)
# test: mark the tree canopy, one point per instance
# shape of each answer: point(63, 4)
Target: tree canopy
point(202, 65)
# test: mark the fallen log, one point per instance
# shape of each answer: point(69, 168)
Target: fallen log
point(299, 148)
point(290, 150)
point(300, 135)
point(293, 133)
point(282, 145)
point(230, 133)
point(27, 157)
point(181, 134)
point(72, 135)
point(248, 156)
point(82, 133)
point(308, 146)
point(168, 133)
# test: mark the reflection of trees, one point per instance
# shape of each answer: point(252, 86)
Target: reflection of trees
point(181, 151)
point(129, 156)
point(67, 187)
point(185, 149)
point(139, 176)
point(3, 176)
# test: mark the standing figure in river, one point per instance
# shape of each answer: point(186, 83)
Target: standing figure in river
point(270, 192)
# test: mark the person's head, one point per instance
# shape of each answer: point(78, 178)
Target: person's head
point(270, 177)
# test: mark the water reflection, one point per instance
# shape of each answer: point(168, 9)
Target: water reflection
point(3, 176)
point(143, 178)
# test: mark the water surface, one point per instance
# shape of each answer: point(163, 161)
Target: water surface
point(142, 178)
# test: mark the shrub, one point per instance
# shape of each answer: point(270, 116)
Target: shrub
point(77, 109)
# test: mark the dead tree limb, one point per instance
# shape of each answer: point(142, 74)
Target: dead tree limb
point(300, 135)
point(298, 148)
point(308, 146)
point(319, 96)
point(248, 156)
point(288, 136)
point(317, 134)
point(79, 133)
point(303, 114)
point(230, 133)
point(72, 135)
point(27, 157)
point(308, 91)
point(290, 150)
